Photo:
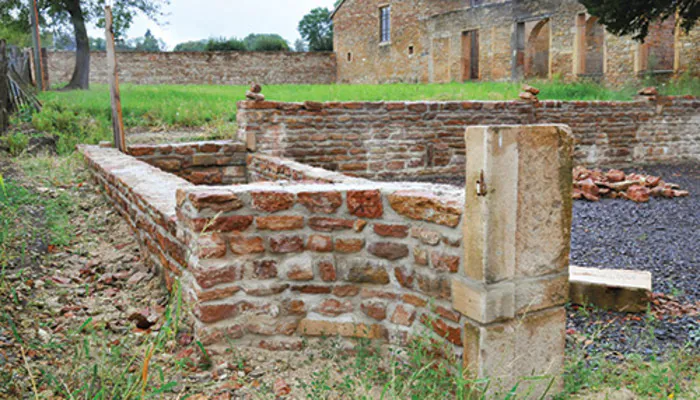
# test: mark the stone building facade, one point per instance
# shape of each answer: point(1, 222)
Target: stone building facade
point(382, 41)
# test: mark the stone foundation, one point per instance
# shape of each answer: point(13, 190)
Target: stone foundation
point(302, 252)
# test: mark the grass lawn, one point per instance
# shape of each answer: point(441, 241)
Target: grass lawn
point(84, 116)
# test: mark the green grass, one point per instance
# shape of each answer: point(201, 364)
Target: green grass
point(84, 116)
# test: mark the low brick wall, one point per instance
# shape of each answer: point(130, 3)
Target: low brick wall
point(220, 162)
point(301, 252)
point(145, 196)
point(202, 68)
point(411, 139)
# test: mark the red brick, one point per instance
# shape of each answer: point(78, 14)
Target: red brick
point(444, 262)
point(272, 201)
point(265, 269)
point(327, 271)
point(420, 256)
point(208, 277)
point(447, 314)
point(426, 207)
point(141, 150)
point(216, 312)
point(217, 294)
point(286, 244)
point(233, 223)
point(211, 246)
point(404, 276)
point(368, 273)
point(374, 309)
point(403, 315)
point(414, 300)
point(246, 245)
point(330, 224)
point(279, 223)
point(293, 307)
point(388, 250)
point(397, 231)
point(312, 289)
point(320, 243)
point(442, 329)
point(349, 245)
point(300, 272)
point(216, 200)
point(267, 289)
point(320, 202)
point(365, 203)
point(346, 290)
point(333, 307)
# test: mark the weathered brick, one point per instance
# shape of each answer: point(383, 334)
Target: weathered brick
point(246, 244)
point(265, 269)
point(344, 245)
point(444, 262)
point(327, 271)
point(312, 289)
point(286, 244)
point(367, 272)
point(272, 201)
point(346, 329)
point(374, 309)
point(216, 200)
point(320, 243)
point(233, 223)
point(414, 300)
point(211, 246)
point(365, 203)
point(330, 224)
point(403, 315)
point(333, 307)
point(404, 276)
point(320, 202)
point(442, 329)
point(397, 231)
point(346, 290)
point(388, 250)
point(279, 223)
point(426, 207)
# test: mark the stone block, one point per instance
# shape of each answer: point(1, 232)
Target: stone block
point(511, 352)
point(611, 289)
point(312, 327)
point(483, 303)
point(518, 183)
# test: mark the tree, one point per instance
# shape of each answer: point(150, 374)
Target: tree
point(148, 43)
point(223, 44)
point(98, 44)
point(76, 14)
point(316, 28)
point(632, 17)
point(299, 46)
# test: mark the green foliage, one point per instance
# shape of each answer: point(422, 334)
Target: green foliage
point(265, 42)
point(195, 45)
point(16, 142)
point(223, 44)
point(316, 28)
point(633, 17)
point(98, 44)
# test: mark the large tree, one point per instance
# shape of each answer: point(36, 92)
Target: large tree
point(74, 15)
point(632, 17)
point(316, 28)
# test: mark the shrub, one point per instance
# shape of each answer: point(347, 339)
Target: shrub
point(223, 44)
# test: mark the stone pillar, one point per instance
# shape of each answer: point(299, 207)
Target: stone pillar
point(517, 227)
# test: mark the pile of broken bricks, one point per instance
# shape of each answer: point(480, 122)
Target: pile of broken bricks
point(529, 93)
point(615, 184)
point(255, 93)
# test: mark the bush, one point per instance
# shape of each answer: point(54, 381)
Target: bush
point(270, 44)
point(223, 44)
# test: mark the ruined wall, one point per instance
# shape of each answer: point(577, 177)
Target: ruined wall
point(203, 68)
point(420, 139)
point(220, 162)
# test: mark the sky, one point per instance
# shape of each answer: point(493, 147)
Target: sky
point(187, 20)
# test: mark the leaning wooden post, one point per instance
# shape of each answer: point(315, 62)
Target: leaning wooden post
point(36, 42)
point(517, 237)
point(4, 89)
point(117, 121)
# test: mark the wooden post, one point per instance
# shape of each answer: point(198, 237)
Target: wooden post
point(4, 89)
point(36, 42)
point(117, 121)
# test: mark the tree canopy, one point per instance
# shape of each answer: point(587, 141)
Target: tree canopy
point(316, 28)
point(633, 17)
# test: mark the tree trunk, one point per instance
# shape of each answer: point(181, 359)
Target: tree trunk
point(4, 89)
point(81, 72)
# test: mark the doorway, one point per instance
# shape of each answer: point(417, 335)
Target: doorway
point(470, 55)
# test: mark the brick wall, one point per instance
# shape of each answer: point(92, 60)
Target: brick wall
point(412, 139)
point(203, 68)
point(361, 260)
point(212, 162)
point(145, 196)
point(267, 264)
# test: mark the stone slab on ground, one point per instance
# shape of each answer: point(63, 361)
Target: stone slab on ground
point(612, 289)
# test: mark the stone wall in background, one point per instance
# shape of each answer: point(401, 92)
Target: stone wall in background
point(203, 68)
point(389, 140)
